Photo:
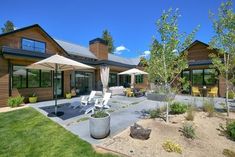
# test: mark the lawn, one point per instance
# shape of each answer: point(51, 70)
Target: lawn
point(26, 132)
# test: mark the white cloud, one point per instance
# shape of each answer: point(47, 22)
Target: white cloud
point(120, 49)
point(145, 53)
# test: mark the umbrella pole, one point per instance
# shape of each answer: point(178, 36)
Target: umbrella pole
point(56, 69)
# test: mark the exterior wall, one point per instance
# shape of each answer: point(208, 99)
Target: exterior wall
point(14, 40)
point(4, 82)
point(199, 52)
point(144, 85)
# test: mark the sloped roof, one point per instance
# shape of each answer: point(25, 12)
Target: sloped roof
point(76, 49)
point(79, 50)
point(131, 61)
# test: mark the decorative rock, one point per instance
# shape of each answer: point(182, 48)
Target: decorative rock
point(138, 132)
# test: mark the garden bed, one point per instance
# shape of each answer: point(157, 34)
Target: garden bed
point(208, 141)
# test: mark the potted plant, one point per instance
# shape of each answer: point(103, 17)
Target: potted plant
point(33, 98)
point(99, 123)
point(68, 95)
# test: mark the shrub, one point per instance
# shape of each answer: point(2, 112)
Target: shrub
point(188, 130)
point(154, 113)
point(231, 95)
point(178, 108)
point(170, 146)
point(228, 153)
point(208, 106)
point(99, 114)
point(15, 101)
point(190, 113)
point(231, 130)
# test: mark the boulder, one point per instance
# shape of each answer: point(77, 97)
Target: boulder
point(138, 132)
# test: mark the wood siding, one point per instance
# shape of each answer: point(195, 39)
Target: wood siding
point(4, 82)
point(14, 40)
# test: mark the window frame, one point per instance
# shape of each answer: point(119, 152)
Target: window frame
point(34, 40)
point(140, 79)
point(40, 78)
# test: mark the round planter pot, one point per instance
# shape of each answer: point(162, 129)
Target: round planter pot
point(33, 99)
point(160, 97)
point(99, 127)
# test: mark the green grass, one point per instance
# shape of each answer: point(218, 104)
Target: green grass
point(26, 133)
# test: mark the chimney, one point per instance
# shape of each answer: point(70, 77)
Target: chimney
point(99, 48)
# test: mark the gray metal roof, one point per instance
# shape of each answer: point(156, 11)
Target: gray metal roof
point(79, 50)
point(76, 49)
point(130, 61)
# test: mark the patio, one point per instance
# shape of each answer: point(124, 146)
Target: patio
point(124, 112)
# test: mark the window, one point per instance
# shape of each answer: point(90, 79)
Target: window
point(28, 78)
point(210, 76)
point(45, 78)
point(112, 80)
point(19, 77)
point(197, 77)
point(139, 79)
point(33, 78)
point(33, 45)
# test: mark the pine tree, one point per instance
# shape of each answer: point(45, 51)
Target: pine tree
point(8, 27)
point(109, 39)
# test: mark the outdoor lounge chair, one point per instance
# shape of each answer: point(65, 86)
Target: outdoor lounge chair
point(195, 91)
point(104, 102)
point(213, 92)
point(86, 100)
point(100, 103)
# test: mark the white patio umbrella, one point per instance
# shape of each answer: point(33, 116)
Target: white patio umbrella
point(58, 63)
point(133, 72)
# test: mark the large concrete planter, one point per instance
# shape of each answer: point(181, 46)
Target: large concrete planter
point(160, 96)
point(99, 127)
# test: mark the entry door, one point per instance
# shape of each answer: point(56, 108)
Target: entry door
point(59, 81)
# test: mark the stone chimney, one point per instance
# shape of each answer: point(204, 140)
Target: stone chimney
point(99, 48)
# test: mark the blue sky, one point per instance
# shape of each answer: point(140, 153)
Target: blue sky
point(131, 22)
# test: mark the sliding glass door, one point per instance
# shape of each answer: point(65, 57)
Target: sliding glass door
point(59, 82)
point(82, 82)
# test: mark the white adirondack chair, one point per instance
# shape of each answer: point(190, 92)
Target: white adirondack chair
point(86, 100)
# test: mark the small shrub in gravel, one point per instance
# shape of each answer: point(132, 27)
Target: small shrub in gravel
point(230, 129)
point(188, 130)
point(178, 108)
point(170, 146)
point(208, 106)
point(190, 114)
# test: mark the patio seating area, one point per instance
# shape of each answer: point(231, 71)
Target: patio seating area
point(124, 112)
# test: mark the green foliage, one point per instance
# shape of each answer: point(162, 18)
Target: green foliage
point(8, 27)
point(170, 146)
point(190, 113)
point(231, 130)
point(165, 62)
point(231, 94)
point(109, 39)
point(208, 106)
point(99, 114)
point(178, 108)
point(188, 130)
point(223, 42)
point(228, 153)
point(155, 113)
point(26, 132)
point(15, 101)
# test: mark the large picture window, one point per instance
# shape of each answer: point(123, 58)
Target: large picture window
point(33, 45)
point(197, 77)
point(139, 79)
point(19, 77)
point(45, 78)
point(33, 78)
point(205, 77)
point(112, 80)
point(28, 78)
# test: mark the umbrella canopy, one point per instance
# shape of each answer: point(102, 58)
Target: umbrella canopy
point(61, 62)
point(58, 63)
point(133, 72)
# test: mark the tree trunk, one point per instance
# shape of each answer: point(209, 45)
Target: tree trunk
point(226, 83)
